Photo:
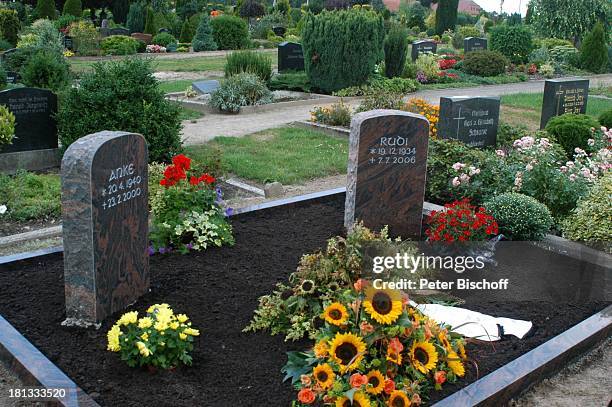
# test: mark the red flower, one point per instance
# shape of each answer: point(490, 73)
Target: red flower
point(306, 396)
point(389, 386)
point(208, 179)
point(182, 162)
point(194, 181)
point(440, 376)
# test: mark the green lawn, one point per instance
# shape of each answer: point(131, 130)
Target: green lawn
point(30, 196)
point(190, 114)
point(288, 155)
point(533, 101)
point(177, 86)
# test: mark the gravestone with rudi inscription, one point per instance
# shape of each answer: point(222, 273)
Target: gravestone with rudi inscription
point(474, 44)
point(423, 46)
point(472, 120)
point(386, 171)
point(205, 87)
point(561, 96)
point(290, 57)
point(105, 225)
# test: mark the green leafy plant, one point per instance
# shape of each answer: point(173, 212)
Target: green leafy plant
point(45, 70)
point(427, 65)
point(605, 119)
point(381, 100)
point(164, 39)
point(120, 11)
point(187, 32)
point(256, 63)
point(484, 63)
point(73, 8)
point(565, 56)
point(571, 131)
point(46, 9)
point(30, 196)
point(446, 15)
point(204, 39)
point(9, 25)
point(85, 38)
point(379, 85)
point(119, 45)
point(240, 90)
point(514, 42)
point(230, 32)
point(396, 47)
point(149, 25)
point(338, 114)
point(7, 126)
point(462, 33)
point(594, 52)
point(520, 217)
point(569, 20)
point(136, 17)
point(290, 81)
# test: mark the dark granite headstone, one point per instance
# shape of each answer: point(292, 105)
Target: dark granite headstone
point(423, 46)
point(119, 31)
point(104, 32)
point(104, 23)
point(472, 120)
point(8, 52)
point(386, 171)
point(205, 87)
point(279, 30)
point(290, 57)
point(35, 127)
point(68, 43)
point(105, 224)
point(474, 44)
point(564, 96)
point(12, 77)
point(163, 30)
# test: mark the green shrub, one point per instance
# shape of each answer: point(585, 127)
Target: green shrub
point(484, 63)
point(7, 125)
point(203, 39)
point(571, 131)
point(9, 25)
point(121, 95)
point(605, 119)
point(149, 27)
point(46, 9)
point(187, 32)
point(21, 10)
point(446, 15)
point(120, 11)
point(136, 17)
point(381, 100)
point(251, 9)
point(514, 42)
point(591, 220)
point(119, 45)
point(551, 43)
point(539, 56)
point(297, 81)
point(256, 63)
point(240, 90)
point(163, 39)
point(415, 15)
point(333, 38)
point(377, 85)
point(462, 33)
point(30, 196)
point(73, 8)
point(520, 217)
point(85, 39)
point(396, 47)
point(264, 25)
point(409, 71)
point(45, 70)
point(230, 32)
point(507, 133)
point(65, 20)
point(3, 79)
point(338, 114)
point(565, 55)
point(594, 52)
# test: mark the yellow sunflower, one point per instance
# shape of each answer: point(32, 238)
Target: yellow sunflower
point(347, 350)
point(394, 356)
point(321, 348)
point(384, 306)
point(359, 400)
point(444, 340)
point(398, 399)
point(336, 314)
point(324, 375)
point(454, 364)
point(423, 356)
point(461, 349)
point(377, 382)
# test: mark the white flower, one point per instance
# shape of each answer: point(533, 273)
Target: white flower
point(572, 177)
point(591, 142)
point(570, 164)
point(563, 168)
point(458, 166)
point(578, 150)
point(464, 178)
point(456, 182)
point(3, 209)
point(529, 167)
point(500, 153)
point(585, 172)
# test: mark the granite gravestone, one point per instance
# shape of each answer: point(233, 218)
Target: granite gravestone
point(12, 77)
point(279, 30)
point(105, 224)
point(474, 44)
point(205, 87)
point(472, 120)
point(423, 46)
point(564, 96)
point(386, 171)
point(34, 110)
point(290, 57)
point(119, 31)
point(68, 43)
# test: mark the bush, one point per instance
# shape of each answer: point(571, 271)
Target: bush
point(187, 32)
point(251, 9)
point(565, 55)
point(446, 15)
point(519, 216)
point(136, 18)
point(45, 70)
point(46, 9)
point(591, 220)
point(539, 56)
point(121, 95)
point(119, 45)
point(64, 21)
point(3, 79)
point(149, 26)
point(264, 25)
point(507, 133)
point(7, 126)
point(594, 52)
point(396, 47)
point(415, 15)
point(381, 100)
point(249, 61)
point(120, 11)
point(230, 32)
point(73, 8)
point(571, 131)
point(290, 81)
point(550, 43)
point(462, 33)
point(240, 90)
point(203, 39)
point(514, 42)
point(333, 38)
point(9, 25)
point(427, 64)
point(605, 119)
point(30, 196)
point(484, 63)
point(337, 114)
point(84, 38)
point(380, 85)
point(164, 39)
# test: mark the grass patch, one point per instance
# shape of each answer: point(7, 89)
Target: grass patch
point(288, 155)
point(30, 196)
point(533, 101)
point(601, 90)
point(176, 86)
point(190, 114)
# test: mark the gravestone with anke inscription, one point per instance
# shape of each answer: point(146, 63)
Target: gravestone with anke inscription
point(423, 46)
point(565, 95)
point(386, 171)
point(105, 225)
point(472, 120)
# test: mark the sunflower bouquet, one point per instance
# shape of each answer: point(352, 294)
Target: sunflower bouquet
point(375, 350)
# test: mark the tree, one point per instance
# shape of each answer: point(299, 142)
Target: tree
point(136, 18)
point(415, 16)
point(251, 9)
point(46, 9)
point(149, 27)
point(120, 10)
point(594, 52)
point(446, 15)
point(396, 47)
point(203, 39)
point(9, 25)
point(283, 7)
point(529, 14)
point(567, 19)
point(73, 8)
point(187, 32)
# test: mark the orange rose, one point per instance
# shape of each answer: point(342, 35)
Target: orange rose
point(306, 396)
point(396, 346)
point(416, 400)
point(360, 284)
point(389, 386)
point(305, 379)
point(366, 327)
point(440, 376)
point(358, 380)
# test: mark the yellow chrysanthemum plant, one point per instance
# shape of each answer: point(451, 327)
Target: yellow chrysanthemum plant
point(375, 350)
point(160, 339)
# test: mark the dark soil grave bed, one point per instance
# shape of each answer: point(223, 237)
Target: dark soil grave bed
point(218, 290)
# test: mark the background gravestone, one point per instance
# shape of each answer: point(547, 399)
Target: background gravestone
point(474, 44)
point(205, 87)
point(472, 120)
point(279, 30)
point(422, 46)
point(105, 224)
point(68, 43)
point(564, 96)
point(290, 57)
point(119, 31)
point(386, 171)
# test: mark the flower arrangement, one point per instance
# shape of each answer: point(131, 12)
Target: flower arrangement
point(68, 53)
point(7, 126)
point(160, 339)
point(447, 63)
point(459, 222)
point(431, 113)
point(216, 13)
point(190, 92)
point(338, 114)
point(373, 350)
point(187, 213)
point(155, 49)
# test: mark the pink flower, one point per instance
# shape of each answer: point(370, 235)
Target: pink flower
point(458, 166)
point(529, 167)
point(563, 168)
point(572, 177)
point(464, 178)
point(591, 142)
point(456, 182)
point(500, 153)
